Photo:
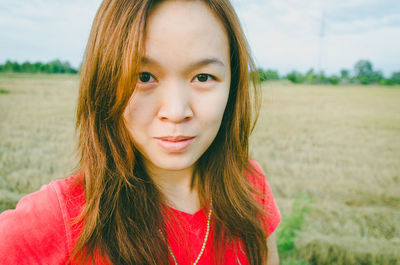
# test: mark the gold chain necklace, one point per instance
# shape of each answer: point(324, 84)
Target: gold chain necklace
point(204, 242)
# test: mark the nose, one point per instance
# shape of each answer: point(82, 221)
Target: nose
point(175, 103)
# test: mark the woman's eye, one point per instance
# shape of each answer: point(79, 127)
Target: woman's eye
point(145, 77)
point(204, 77)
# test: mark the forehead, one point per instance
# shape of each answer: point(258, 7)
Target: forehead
point(185, 30)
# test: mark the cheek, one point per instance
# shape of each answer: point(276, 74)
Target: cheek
point(138, 114)
point(211, 109)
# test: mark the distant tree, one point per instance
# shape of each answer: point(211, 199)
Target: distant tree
point(295, 77)
point(387, 82)
point(310, 77)
point(334, 80)
point(363, 67)
point(321, 78)
point(16, 67)
point(55, 66)
point(391, 81)
point(66, 67)
point(365, 73)
point(377, 76)
point(26, 67)
point(272, 75)
point(8, 66)
point(267, 75)
point(396, 77)
point(344, 74)
point(36, 67)
point(45, 68)
point(261, 74)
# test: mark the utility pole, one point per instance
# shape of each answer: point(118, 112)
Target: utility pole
point(321, 44)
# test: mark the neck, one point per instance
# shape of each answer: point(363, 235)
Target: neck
point(176, 187)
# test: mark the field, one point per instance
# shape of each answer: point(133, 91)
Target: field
point(331, 154)
point(339, 146)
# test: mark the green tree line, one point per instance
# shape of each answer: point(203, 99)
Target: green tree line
point(363, 73)
point(53, 67)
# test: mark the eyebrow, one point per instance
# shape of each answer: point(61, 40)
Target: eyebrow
point(198, 64)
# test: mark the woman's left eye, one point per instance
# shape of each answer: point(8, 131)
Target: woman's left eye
point(204, 77)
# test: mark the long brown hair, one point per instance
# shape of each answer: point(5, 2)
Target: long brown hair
point(122, 214)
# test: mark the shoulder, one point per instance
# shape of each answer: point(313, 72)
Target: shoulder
point(257, 178)
point(255, 174)
point(38, 229)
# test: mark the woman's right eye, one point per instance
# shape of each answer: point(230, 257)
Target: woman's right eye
point(146, 77)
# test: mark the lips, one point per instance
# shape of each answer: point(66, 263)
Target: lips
point(174, 144)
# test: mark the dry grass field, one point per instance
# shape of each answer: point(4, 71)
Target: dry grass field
point(339, 146)
point(36, 132)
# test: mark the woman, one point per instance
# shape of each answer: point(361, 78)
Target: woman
point(164, 176)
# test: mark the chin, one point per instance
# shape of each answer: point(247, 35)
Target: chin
point(174, 163)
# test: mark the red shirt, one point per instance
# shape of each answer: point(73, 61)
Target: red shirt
point(39, 230)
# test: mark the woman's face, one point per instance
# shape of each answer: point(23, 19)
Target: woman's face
point(177, 107)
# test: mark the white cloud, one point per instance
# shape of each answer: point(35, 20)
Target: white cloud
point(283, 34)
point(44, 30)
point(345, 50)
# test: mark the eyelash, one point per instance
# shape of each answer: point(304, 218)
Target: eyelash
point(197, 76)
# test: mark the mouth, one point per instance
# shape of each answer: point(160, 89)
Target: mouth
point(174, 144)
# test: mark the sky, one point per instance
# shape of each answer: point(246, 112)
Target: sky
point(284, 35)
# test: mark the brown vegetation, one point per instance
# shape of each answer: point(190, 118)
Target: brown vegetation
point(340, 147)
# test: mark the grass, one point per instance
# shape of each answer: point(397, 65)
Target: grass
point(288, 230)
point(36, 130)
point(337, 145)
point(340, 147)
point(4, 91)
point(12, 75)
